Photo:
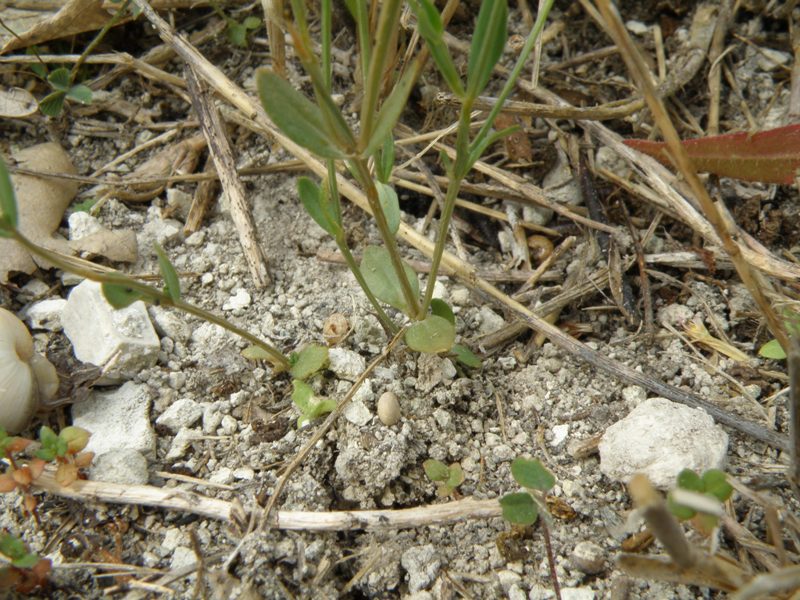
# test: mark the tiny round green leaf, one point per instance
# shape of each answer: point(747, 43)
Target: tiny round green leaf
point(466, 357)
point(80, 93)
point(436, 470)
point(432, 335)
point(532, 474)
point(772, 349)
point(689, 480)
point(716, 484)
point(120, 296)
point(684, 513)
point(440, 308)
point(308, 361)
point(519, 508)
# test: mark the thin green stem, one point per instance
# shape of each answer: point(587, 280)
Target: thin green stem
point(362, 172)
point(326, 44)
point(155, 295)
point(387, 22)
point(364, 42)
point(97, 39)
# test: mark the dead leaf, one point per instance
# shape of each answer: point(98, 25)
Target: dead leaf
point(41, 205)
point(518, 146)
point(118, 246)
point(16, 103)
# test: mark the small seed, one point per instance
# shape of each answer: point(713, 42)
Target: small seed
point(388, 408)
point(541, 247)
point(335, 329)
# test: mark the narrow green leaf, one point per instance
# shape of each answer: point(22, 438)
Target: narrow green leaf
point(311, 197)
point(440, 308)
point(390, 205)
point(684, 513)
point(772, 349)
point(532, 474)
point(689, 480)
point(120, 296)
point(256, 353)
point(432, 335)
point(376, 267)
point(80, 93)
point(52, 104)
point(430, 26)
point(519, 508)
point(295, 115)
point(466, 357)
point(479, 145)
point(25, 562)
point(59, 79)
point(716, 484)
point(302, 395)
point(390, 112)
point(308, 361)
point(487, 45)
point(172, 285)
point(385, 162)
point(436, 470)
point(9, 217)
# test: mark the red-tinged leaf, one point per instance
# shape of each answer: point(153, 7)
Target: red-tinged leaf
point(36, 466)
point(84, 459)
point(22, 476)
point(66, 474)
point(771, 156)
point(7, 483)
point(29, 502)
point(17, 444)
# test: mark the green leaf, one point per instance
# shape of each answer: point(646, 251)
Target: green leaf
point(432, 335)
point(385, 160)
point(430, 26)
point(295, 115)
point(47, 437)
point(456, 477)
point(308, 361)
point(84, 206)
point(716, 484)
point(479, 145)
point(772, 349)
point(80, 93)
point(52, 104)
point(59, 79)
point(436, 470)
point(312, 198)
point(75, 438)
point(256, 353)
point(25, 562)
point(172, 285)
point(378, 272)
point(532, 474)
point(440, 308)
point(519, 508)
point(390, 112)
point(684, 513)
point(9, 218)
point(689, 480)
point(12, 547)
point(252, 22)
point(322, 407)
point(120, 296)
point(390, 205)
point(487, 45)
point(46, 454)
point(302, 395)
point(466, 357)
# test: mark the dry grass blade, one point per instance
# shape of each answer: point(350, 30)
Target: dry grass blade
point(639, 71)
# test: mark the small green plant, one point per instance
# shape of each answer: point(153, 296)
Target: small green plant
point(772, 349)
point(63, 88)
point(698, 498)
point(64, 448)
point(237, 31)
point(308, 404)
point(523, 508)
point(25, 571)
point(447, 479)
point(368, 152)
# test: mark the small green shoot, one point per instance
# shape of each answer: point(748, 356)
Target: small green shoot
point(447, 479)
point(26, 571)
point(9, 218)
point(308, 361)
point(522, 508)
point(772, 349)
point(238, 31)
point(60, 81)
point(466, 356)
point(704, 493)
point(172, 285)
point(310, 407)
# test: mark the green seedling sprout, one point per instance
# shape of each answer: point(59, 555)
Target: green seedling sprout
point(121, 290)
point(699, 498)
point(319, 126)
point(25, 571)
point(308, 404)
point(237, 31)
point(447, 479)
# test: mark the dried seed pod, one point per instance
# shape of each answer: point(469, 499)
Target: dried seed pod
point(541, 247)
point(388, 408)
point(335, 329)
point(26, 378)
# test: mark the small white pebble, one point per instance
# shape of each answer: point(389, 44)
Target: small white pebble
point(388, 408)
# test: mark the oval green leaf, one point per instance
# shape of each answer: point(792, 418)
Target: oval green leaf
point(295, 115)
point(440, 308)
point(519, 508)
point(384, 162)
point(311, 197)
point(52, 104)
point(683, 513)
point(436, 470)
point(256, 353)
point(80, 93)
point(532, 474)
point(59, 79)
point(689, 480)
point(390, 205)
point(302, 395)
point(120, 296)
point(308, 361)
point(772, 349)
point(716, 484)
point(466, 357)
point(378, 272)
point(430, 26)
point(456, 477)
point(432, 335)
point(487, 45)
point(9, 217)
point(172, 285)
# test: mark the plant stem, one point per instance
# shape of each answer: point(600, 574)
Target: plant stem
point(276, 357)
point(362, 172)
point(550, 559)
point(326, 42)
point(116, 18)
